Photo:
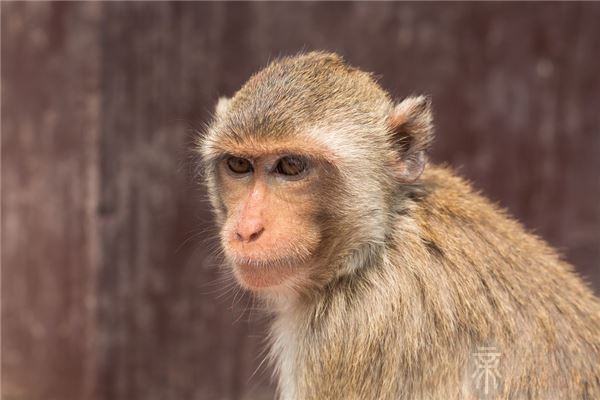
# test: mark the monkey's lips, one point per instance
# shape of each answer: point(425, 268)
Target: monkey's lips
point(258, 273)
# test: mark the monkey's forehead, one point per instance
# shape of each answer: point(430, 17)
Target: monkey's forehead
point(254, 146)
point(278, 119)
point(310, 104)
point(323, 131)
point(339, 145)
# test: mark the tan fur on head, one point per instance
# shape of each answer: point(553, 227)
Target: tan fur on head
point(385, 275)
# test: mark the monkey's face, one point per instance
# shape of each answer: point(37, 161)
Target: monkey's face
point(303, 165)
point(270, 232)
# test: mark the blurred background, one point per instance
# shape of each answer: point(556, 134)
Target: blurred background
point(109, 290)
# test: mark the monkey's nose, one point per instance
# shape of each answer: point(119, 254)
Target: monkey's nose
point(249, 231)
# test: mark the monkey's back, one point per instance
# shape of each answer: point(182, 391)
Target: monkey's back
point(483, 281)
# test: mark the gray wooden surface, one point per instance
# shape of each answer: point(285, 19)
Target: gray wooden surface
point(109, 290)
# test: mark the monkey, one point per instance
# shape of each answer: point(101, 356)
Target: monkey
point(386, 276)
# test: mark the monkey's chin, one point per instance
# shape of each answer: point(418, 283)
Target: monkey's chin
point(258, 274)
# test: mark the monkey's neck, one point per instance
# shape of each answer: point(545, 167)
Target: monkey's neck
point(310, 330)
point(368, 255)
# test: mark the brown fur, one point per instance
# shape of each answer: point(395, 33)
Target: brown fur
point(399, 277)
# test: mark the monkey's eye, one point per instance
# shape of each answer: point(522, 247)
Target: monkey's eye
point(239, 165)
point(290, 166)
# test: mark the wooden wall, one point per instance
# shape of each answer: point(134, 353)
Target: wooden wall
point(108, 287)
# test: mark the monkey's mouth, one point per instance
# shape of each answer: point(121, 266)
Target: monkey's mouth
point(265, 264)
point(259, 273)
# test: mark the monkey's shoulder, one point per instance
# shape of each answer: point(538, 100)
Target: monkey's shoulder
point(473, 239)
point(449, 201)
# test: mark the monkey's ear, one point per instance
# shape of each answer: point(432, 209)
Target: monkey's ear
point(222, 106)
point(411, 124)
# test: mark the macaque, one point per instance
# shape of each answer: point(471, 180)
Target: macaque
point(387, 277)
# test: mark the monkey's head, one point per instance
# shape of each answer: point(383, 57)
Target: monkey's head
point(304, 167)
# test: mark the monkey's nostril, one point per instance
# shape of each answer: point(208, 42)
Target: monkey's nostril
point(249, 235)
point(256, 235)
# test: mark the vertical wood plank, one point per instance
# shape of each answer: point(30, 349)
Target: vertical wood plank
point(49, 191)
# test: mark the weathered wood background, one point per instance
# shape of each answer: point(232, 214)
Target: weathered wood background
point(108, 289)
